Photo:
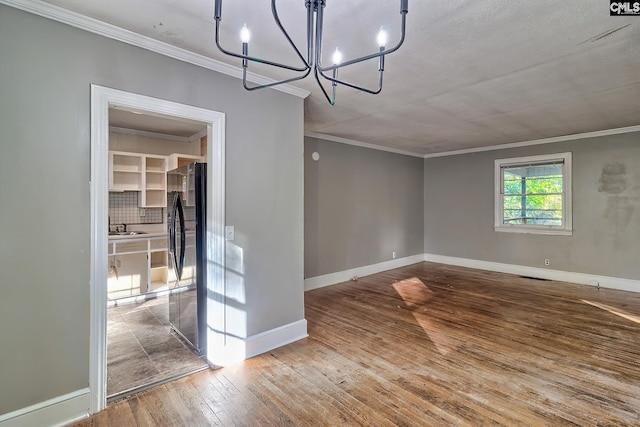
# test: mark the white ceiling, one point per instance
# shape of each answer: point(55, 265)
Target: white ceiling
point(156, 123)
point(470, 74)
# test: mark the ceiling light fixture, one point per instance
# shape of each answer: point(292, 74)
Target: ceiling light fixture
point(315, 9)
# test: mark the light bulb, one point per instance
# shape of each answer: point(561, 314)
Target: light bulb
point(245, 34)
point(337, 57)
point(382, 37)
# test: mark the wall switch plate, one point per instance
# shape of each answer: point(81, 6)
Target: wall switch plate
point(229, 233)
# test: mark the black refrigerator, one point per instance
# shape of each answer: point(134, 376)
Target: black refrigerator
point(187, 276)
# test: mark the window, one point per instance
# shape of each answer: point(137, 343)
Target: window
point(533, 194)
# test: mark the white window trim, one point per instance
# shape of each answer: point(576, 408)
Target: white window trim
point(567, 228)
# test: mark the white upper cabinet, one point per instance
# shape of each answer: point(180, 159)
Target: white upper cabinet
point(177, 160)
point(155, 182)
point(125, 171)
point(145, 173)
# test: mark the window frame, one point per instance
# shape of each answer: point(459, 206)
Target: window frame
point(566, 229)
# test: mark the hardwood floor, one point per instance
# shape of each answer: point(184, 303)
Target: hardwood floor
point(426, 345)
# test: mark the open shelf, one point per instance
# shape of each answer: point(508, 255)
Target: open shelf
point(158, 270)
point(156, 164)
point(126, 181)
point(126, 171)
point(155, 182)
point(127, 163)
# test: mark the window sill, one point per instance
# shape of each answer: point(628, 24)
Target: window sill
point(532, 230)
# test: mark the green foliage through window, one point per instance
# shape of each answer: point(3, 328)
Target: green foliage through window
point(532, 194)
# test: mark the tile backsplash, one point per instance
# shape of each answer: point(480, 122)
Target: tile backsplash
point(123, 209)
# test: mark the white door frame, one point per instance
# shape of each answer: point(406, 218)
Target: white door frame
point(101, 99)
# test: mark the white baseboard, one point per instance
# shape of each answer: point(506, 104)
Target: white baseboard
point(236, 349)
point(58, 411)
point(540, 273)
point(343, 276)
point(274, 338)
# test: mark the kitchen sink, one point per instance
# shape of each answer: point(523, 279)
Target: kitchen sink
point(126, 233)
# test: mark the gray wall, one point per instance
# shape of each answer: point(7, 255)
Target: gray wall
point(606, 238)
point(360, 206)
point(46, 69)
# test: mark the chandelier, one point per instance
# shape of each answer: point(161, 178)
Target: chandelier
point(312, 60)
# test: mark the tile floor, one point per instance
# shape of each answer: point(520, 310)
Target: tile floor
point(142, 349)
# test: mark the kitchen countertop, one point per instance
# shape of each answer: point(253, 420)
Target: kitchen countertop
point(138, 236)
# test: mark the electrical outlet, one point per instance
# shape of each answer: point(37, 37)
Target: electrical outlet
point(393, 255)
point(141, 212)
point(546, 261)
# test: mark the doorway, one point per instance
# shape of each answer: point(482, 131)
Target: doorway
point(143, 348)
point(102, 100)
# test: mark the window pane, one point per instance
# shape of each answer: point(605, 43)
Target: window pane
point(532, 192)
point(512, 186)
point(544, 214)
point(550, 184)
point(512, 202)
point(532, 210)
point(535, 183)
point(512, 183)
point(544, 202)
point(512, 216)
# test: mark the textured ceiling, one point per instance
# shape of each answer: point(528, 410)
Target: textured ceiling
point(470, 74)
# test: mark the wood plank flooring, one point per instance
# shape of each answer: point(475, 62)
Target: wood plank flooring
point(426, 345)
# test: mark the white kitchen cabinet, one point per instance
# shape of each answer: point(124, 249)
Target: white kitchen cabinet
point(154, 194)
point(140, 172)
point(177, 160)
point(128, 275)
point(157, 264)
point(125, 171)
point(136, 266)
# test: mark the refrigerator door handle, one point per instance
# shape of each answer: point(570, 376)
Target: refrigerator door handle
point(177, 214)
point(172, 233)
point(182, 238)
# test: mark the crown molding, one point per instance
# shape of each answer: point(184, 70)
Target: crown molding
point(361, 144)
point(101, 28)
point(585, 135)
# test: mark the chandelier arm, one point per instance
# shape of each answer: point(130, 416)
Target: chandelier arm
point(351, 85)
point(368, 57)
point(293, 79)
point(218, 18)
point(332, 101)
point(274, 12)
